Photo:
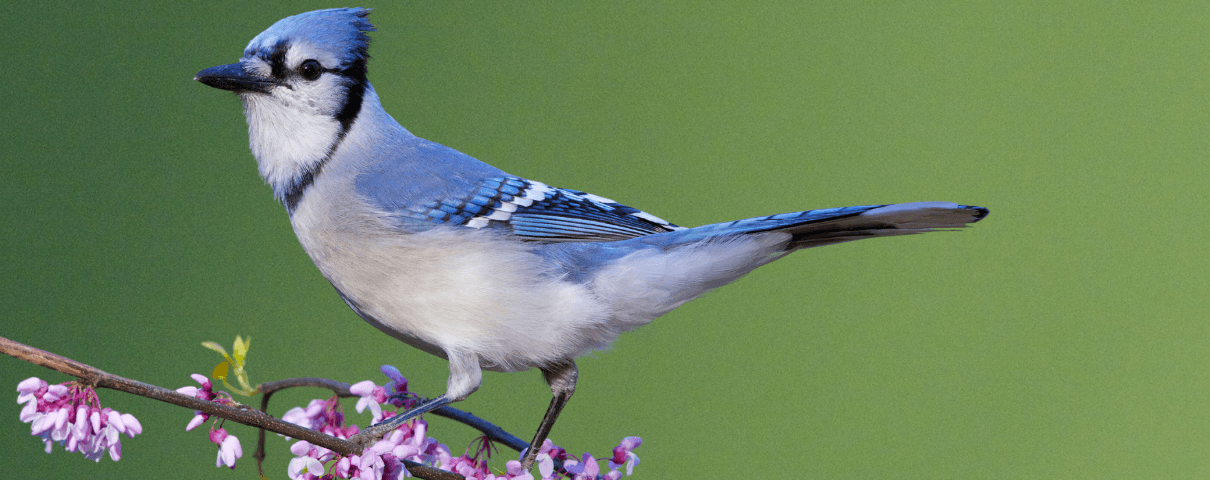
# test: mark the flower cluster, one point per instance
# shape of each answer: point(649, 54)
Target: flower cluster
point(384, 459)
point(586, 467)
point(582, 468)
point(394, 392)
point(229, 449)
point(622, 455)
point(323, 416)
point(71, 414)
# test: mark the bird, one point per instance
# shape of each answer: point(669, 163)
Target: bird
point(464, 261)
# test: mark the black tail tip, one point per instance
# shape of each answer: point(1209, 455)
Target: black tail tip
point(980, 212)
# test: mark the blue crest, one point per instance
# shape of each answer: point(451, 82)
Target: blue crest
point(336, 30)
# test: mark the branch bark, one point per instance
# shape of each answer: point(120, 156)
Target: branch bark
point(246, 415)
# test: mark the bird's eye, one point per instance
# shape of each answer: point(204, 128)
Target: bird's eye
point(310, 70)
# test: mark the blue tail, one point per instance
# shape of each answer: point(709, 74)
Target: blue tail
point(813, 228)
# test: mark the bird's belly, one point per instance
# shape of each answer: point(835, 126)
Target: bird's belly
point(463, 289)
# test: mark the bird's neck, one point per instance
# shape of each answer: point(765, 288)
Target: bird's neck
point(291, 145)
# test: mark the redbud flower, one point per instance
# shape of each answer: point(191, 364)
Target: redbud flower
point(229, 449)
point(71, 415)
point(622, 455)
point(304, 465)
point(310, 417)
point(513, 471)
point(371, 395)
point(410, 441)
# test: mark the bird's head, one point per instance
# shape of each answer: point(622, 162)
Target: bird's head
point(303, 82)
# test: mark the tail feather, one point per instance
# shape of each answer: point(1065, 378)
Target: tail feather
point(644, 283)
point(885, 221)
point(813, 228)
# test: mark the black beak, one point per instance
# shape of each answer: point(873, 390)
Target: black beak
point(233, 77)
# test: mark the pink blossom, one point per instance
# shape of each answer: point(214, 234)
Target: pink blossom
point(309, 417)
point(411, 442)
point(71, 415)
point(546, 466)
point(513, 471)
point(342, 467)
point(196, 420)
point(362, 388)
point(229, 449)
point(585, 470)
point(370, 465)
point(304, 465)
point(398, 382)
point(55, 392)
point(30, 390)
point(133, 426)
point(371, 396)
point(622, 455)
point(207, 393)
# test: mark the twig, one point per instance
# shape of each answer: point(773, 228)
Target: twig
point(269, 388)
point(241, 414)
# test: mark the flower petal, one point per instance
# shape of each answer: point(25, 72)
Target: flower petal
point(95, 418)
point(300, 448)
point(298, 466)
point(55, 392)
point(314, 467)
point(29, 411)
point(115, 420)
point(41, 422)
point(115, 450)
point(546, 466)
point(61, 418)
point(133, 427)
point(30, 385)
point(362, 388)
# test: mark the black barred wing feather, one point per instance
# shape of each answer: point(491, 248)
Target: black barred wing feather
point(543, 213)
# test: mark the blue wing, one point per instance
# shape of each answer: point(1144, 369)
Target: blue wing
point(540, 212)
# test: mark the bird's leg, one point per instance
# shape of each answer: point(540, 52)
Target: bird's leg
point(562, 380)
point(465, 377)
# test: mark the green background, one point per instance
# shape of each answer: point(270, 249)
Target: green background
point(1063, 337)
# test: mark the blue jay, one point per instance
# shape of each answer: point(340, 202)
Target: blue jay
point(466, 262)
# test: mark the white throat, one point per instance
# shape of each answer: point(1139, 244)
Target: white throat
point(288, 134)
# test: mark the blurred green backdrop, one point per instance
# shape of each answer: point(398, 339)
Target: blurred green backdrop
point(1063, 337)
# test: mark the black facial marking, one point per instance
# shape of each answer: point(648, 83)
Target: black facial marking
point(353, 98)
point(277, 59)
point(295, 191)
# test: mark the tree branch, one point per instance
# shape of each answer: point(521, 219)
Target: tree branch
point(99, 379)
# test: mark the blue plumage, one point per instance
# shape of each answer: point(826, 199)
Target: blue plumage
point(535, 212)
point(465, 261)
point(341, 32)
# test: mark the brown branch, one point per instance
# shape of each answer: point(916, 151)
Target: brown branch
point(241, 414)
point(269, 388)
